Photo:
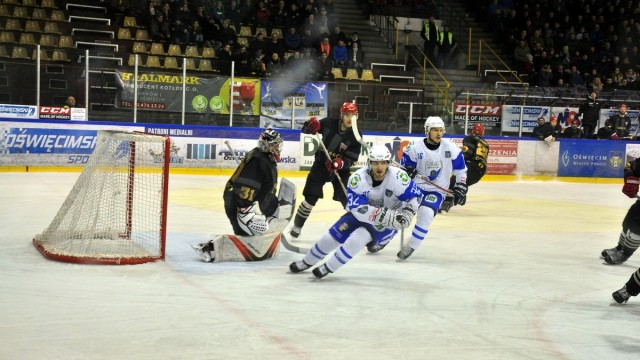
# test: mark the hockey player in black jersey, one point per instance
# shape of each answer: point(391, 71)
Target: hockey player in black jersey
point(250, 202)
point(476, 151)
point(629, 240)
point(344, 149)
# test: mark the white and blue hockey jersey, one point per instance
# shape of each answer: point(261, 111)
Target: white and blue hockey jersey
point(436, 165)
point(396, 190)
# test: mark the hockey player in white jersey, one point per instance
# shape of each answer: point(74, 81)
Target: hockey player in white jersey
point(380, 201)
point(436, 159)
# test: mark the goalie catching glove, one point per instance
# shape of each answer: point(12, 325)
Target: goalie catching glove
point(391, 219)
point(311, 126)
point(251, 222)
point(460, 193)
point(630, 187)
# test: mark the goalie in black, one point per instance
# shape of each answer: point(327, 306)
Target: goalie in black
point(251, 204)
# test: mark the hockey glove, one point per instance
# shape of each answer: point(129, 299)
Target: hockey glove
point(411, 172)
point(334, 165)
point(251, 222)
point(391, 219)
point(460, 193)
point(630, 187)
point(311, 126)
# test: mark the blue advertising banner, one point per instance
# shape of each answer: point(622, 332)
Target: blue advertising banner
point(47, 141)
point(591, 158)
point(284, 101)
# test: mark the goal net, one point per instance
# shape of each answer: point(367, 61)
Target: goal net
point(116, 212)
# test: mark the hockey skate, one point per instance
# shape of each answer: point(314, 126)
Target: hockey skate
point(447, 204)
point(405, 253)
point(615, 257)
point(321, 271)
point(621, 296)
point(374, 248)
point(298, 266)
point(295, 232)
point(604, 252)
point(205, 250)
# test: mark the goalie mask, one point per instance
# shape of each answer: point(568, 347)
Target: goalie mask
point(271, 142)
point(379, 159)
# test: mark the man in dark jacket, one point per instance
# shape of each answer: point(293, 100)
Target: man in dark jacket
point(621, 124)
point(589, 114)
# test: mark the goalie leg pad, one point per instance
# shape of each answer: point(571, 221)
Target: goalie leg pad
point(246, 248)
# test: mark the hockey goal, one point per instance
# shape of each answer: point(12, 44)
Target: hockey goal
point(116, 213)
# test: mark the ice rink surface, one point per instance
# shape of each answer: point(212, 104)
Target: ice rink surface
point(514, 274)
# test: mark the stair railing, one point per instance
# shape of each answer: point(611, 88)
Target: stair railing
point(421, 59)
point(482, 45)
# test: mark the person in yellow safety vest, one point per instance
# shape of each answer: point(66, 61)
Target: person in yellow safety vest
point(446, 47)
point(430, 34)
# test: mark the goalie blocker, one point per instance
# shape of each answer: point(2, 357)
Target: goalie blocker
point(229, 247)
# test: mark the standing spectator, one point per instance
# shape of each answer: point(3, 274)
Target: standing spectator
point(242, 59)
point(258, 64)
point(520, 55)
point(228, 35)
point(337, 35)
point(234, 13)
point(589, 114)
point(430, 35)
point(225, 57)
point(621, 123)
point(275, 46)
point(446, 47)
point(159, 30)
point(218, 12)
point(263, 16)
point(280, 15)
point(258, 43)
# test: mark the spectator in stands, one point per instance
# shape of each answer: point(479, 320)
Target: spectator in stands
point(325, 19)
point(556, 129)
point(608, 85)
point(275, 46)
point(263, 16)
point(70, 102)
point(573, 131)
point(184, 14)
point(196, 34)
point(219, 12)
point(574, 78)
point(356, 58)
point(293, 66)
point(324, 67)
point(621, 123)
point(340, 56)
point(167, 13)
point(292, 40)
point(545, 76)
point(159, 30)
point(355, 38)
point(429, 34)
point(325, 46)
point(234, 13)
point(280, 15)
point(295, 17)
point(242, 60)
point(617, 76)
point(446, 48)
point(520, 55)
point(309, 41)
point(258, 64)
point(225, 57)
point(247, 12)
point(148, 16)
point(309, 7)
point(274, 67)
point(227, 34)
point(258, 43)
point(338, 35)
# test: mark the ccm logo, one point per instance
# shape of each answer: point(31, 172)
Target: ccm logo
point(478, 109)
point(54, 110)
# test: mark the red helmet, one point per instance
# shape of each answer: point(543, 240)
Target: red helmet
point(478, 130)
point(349, 108)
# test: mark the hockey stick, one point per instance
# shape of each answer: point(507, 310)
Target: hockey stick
point(287, 245)
point(233, 153)
point(335, 172)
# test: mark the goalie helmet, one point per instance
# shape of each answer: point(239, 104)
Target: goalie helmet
point(433, 122)
point(270, 142)
point(379, 153)
point(478, 130)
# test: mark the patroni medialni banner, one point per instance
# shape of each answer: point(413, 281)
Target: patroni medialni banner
point(163, 92)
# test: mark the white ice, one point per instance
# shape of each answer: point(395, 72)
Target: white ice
point(514, 274)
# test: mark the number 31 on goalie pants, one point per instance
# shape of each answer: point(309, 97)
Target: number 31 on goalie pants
point(78, 159)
